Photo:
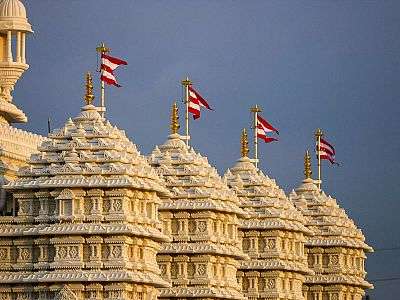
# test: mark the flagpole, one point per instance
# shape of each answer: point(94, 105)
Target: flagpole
point(255, 110)
point(318, 135)
point(185, 83)
point(48, 125)
point(102, 49)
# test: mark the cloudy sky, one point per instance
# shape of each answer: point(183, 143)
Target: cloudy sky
point(308, 64)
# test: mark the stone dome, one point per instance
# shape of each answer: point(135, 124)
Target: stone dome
point(12, 9)
point(263, 199)
point(89, 152)
point(188, 175)
point(13, 16)
point(326, 219)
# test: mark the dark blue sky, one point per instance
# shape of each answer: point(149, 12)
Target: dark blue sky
point(309, 64)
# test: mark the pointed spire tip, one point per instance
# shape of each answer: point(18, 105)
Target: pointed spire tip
point(244, 150)
point(186, 82)
point(89, 97)
point(174, 126)
point(318, 132)
point(307, 165)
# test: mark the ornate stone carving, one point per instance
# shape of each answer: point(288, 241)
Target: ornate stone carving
point(86, 244)
point(66, 294)
point(271, 231)
point(3, 253)
point(203, 216)
point(271, 284)
point(335, 245)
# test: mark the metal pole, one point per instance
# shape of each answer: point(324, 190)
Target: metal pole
point(102, 99)
point(255, 110)
point(318, 135)
point(185, 83)
point(102, 49)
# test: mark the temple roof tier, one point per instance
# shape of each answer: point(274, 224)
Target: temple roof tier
point(88, 152)
point(71, 275)
point(192, 182)
point(45, 230)
point(202, 248)
point(274, 264)
point(333, 279)
point(201, 292)
point(328, 221)
point(266, 204)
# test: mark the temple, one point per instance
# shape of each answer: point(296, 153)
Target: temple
point(202, 217)
point(336, 250)
point(273, 234)
point(84, 215)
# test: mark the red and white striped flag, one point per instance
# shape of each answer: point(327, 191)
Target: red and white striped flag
point(263, 128)
point(326, 151)
point(108, 65)
point(196, 101)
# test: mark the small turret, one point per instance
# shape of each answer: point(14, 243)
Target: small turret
point(14, 26)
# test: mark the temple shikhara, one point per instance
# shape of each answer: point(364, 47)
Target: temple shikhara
point(84, 215)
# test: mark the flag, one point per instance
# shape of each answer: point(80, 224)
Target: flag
point(326, 151)
point(263, 128)
point(196, 101)
point(108, 65)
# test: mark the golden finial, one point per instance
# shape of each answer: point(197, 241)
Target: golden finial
point(244, 144)
point(186, 82)
point(255, 109)
point(318, 133)
point(102, 48)
point(89, 89)
point(307, 165)
point(174, 119)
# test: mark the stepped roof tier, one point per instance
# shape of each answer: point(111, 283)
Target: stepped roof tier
point(336, 250)
point(273, 234)
point(86, 216)
point(202, 217)
point(327, 220)
point(88, 152)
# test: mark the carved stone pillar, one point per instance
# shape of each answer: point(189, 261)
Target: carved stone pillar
point(9, 46)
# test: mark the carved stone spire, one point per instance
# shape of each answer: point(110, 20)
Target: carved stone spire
point(244, 150)
point(89, 97)
point(174, 119)
point(307, 165)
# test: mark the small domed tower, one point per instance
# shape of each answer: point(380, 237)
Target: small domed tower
point(337, 250)
point(15, 145)
point(273, 234)
point(14, 26)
